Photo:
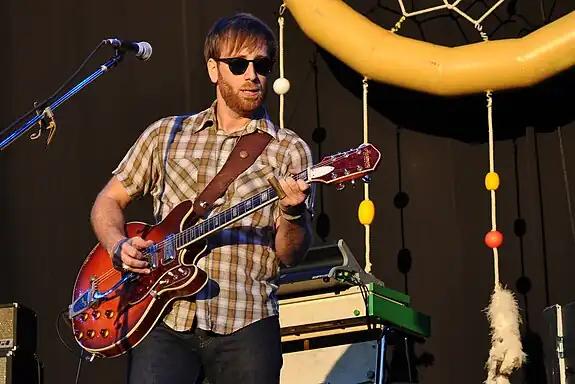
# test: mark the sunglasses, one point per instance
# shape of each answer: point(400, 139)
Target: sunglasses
point(238, 65)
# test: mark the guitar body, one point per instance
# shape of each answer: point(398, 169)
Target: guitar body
point(119, 321)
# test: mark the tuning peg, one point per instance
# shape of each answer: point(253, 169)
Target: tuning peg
point(366, 179)
point(340, 187)
point(353, 183)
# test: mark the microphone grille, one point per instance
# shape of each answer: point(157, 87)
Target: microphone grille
point(144, 51)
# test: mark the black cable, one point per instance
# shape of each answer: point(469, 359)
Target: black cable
point(39, 367)
point(60, 335)
point(46, 102)
point(365, 295)
point(80, 356)
point(407, 359)
point(80, 360)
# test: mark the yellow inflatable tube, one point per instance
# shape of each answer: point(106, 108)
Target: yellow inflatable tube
point(386, 57)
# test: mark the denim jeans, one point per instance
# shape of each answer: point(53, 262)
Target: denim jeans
point(250, 355)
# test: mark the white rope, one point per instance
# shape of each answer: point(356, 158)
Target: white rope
point(506, 352)
point(366, 185)
point(493, 199)
point(485, 37)
point(281, 57)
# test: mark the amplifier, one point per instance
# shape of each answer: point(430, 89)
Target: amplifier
point(19, 369)
point(17, 330)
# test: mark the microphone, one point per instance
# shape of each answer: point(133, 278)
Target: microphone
point(143, 50)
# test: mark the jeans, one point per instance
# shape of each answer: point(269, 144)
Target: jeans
point(250, 355)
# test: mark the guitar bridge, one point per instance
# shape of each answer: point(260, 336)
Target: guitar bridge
point(93, 296)
point(81, 304)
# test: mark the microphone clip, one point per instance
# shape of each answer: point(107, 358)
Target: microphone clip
point(46, 122)
point(142, 50)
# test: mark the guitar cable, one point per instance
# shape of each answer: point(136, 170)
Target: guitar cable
point(365, 295)
point(350, 278)
point(80, 356)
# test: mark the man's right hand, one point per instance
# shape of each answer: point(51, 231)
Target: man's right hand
point(127, 256)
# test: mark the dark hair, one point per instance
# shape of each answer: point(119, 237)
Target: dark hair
point(240, 30)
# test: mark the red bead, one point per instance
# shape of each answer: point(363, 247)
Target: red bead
point(493, 239)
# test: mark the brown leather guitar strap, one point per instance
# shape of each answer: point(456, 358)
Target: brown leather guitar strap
point(247, 150)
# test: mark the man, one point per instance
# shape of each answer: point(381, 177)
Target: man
point(231, 332)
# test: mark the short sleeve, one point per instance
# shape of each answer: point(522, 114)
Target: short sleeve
point(138, 170)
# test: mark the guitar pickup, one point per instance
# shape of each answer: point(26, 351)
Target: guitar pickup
point(153, 256)
point(169, 249)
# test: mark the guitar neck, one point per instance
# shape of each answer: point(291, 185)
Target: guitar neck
point(230, 215)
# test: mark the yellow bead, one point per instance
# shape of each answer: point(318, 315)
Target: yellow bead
point(492, 181)
point(366, 212)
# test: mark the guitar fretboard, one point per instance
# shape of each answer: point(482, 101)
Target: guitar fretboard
point(229, 215)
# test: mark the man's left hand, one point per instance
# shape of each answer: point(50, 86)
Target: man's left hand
point(296, 193)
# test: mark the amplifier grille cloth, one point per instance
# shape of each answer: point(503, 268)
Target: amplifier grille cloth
point(7, 322)
point(3, 368)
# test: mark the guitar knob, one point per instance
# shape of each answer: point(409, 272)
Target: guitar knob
point(109, 313)
point(105, 333)
point(96, 314)
point(366, 179)
point(84, 316)
point(340, 187)
point(91, 333)
point(79, 335)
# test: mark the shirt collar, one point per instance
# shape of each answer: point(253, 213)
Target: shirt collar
point(260, 121)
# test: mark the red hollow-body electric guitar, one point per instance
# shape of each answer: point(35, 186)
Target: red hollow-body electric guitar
point(113, 311)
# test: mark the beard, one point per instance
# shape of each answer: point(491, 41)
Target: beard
point(237, 101)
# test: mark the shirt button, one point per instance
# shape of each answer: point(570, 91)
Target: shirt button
point(243, 154)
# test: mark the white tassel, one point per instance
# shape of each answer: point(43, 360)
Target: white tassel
point(506, 352)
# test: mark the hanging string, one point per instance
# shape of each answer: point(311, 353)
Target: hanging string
point(367, 223)
point(366, 210)
point(492, 178)
point(281, 85)
point(506, 352)
point(492, 190)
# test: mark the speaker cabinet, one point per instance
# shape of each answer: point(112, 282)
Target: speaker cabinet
point(18, 333)
point(18, 326)
point(19, 369)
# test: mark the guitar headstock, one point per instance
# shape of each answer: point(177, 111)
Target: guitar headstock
point(345, 166)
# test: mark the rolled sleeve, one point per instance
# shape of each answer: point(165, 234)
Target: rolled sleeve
point(297, 159)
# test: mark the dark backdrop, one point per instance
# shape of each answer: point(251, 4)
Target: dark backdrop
point(432, 207)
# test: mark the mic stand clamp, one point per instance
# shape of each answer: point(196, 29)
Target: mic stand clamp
point(45, 114)
point(46, 122)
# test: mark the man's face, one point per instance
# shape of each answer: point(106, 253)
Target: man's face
point(244, 92)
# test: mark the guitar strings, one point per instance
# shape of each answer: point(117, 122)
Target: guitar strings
point(302, 175)
point(106, 275)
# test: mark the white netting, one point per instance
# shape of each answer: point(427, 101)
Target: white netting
point(450, 6)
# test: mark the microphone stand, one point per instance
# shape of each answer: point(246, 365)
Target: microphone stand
point(45, 113)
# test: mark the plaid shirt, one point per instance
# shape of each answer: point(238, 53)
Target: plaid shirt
point(241, 261)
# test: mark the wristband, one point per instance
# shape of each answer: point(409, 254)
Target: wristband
point(117, 254)
point(289, 217)
point(293, 210)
